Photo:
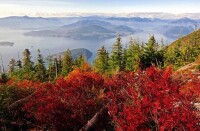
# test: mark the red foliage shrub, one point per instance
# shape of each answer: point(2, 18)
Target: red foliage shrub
point(69, 103)
point(151, 100)
point(147, 100)
point(27, 84)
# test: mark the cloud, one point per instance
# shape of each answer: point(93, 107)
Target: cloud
point(65, 7)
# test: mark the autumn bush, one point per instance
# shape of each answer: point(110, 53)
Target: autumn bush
point(69, 103)
point(151, 100)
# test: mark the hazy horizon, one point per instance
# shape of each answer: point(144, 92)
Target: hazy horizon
point(60, 8)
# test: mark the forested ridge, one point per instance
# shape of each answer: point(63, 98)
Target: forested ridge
point(132, 87)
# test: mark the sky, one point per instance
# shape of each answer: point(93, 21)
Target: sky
point(71, 7)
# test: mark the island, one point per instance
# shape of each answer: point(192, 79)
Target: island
point(76, 52)
point(6, 43)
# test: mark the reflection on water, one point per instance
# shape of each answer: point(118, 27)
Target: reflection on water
point(53, 44)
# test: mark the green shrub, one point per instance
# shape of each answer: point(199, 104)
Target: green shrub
point(11, 119)
point(198, 67)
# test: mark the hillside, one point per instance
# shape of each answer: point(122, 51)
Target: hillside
point(184, 52)
point(192, 38)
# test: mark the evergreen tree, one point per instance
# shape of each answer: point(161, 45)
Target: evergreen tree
point(49, 68)
point(134, 52)
point(79, 61)
point(101, 64)
point(124, 59)
point(55, 67)
point(27, 71)
point(12, 65)
point(40, 70)
point(27, 63)
point(19, 64)
point(116, 56)
point(59, 64)
point(151, 55)
point(67, 63)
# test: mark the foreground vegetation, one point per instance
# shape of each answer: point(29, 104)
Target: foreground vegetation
point(132, 88)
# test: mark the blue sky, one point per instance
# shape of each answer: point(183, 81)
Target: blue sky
point(53, 7)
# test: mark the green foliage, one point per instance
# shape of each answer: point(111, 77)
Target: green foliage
point(152, 55)
point(116, 56)
point(198, 67)
point(80, 61)
point(183, 51)
point(40, 70)
point(124, 59)
point(4, 78)
point(9, 95)
point(12, 64)
point(101, 64)
point(27, 63)
point(134, 52)
point(67, 63)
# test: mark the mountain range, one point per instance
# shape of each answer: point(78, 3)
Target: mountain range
point(161, 15)
point(86, 29)
point(100, 27)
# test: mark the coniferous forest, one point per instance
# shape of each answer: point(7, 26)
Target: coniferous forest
point(141, 86)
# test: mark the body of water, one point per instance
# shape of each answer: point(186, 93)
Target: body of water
point(54, 44)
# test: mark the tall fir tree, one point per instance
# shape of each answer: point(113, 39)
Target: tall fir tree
point(152, 55)
point(134, 52)
point(79, 61)
point(101, 64)
point(115, 60)
point(67, 63)
point(27, 71)
point(19, 64)
point(12, 65)
point(27, 63)
point(40, 70)
point(49, 67)
point(124, 59)
point(59, 64)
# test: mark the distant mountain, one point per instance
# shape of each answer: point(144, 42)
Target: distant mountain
point(123, 28)
point(184, 21)
point(77, 52)
point(160, 15)
point(27, 22)
point(132, 19)
point(177, 31)
point(86, 29)
point(86, 32)
point(90, 29)
point(82, 23)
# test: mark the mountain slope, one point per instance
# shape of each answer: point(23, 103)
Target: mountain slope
point(192, 38)
point(183, 51)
